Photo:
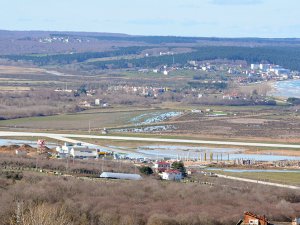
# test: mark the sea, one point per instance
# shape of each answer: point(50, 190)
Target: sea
point(289, 88)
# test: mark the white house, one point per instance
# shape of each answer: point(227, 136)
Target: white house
point(161, 166)
point(171, 175)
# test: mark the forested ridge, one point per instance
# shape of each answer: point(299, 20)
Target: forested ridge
point(288, 57)
point(285, 56)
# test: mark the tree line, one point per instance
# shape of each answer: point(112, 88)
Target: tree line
point(288, 57)
point(69, 58)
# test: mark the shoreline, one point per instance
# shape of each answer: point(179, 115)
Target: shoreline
point(280, 92)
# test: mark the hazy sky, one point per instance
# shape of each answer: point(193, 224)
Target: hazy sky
point(221, 18)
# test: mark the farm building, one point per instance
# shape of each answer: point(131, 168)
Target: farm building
point(171, 175)
point(122, 176)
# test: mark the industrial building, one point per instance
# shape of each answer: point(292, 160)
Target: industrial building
point(76, 151)
point(83, 152)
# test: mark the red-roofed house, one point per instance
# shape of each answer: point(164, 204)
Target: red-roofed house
point(171, 175)
point(253, 219)
point(161, 166)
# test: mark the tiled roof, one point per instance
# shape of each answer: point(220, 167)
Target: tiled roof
point(172, 171)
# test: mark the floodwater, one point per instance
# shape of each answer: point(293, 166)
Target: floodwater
point(174, 152)
point(200, 153)
point(149, 118)
point(147, 129)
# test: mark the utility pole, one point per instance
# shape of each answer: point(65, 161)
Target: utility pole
point(89, 126)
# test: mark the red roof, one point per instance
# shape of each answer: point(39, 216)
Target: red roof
point(172, 171)
point(262, 218)
point(162, 163)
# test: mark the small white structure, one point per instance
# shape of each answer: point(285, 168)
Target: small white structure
point(104, 131)
point(64, 150)
point(171, 175)
point(166, 72)
point(21, 152)
point(296, 221)
point(255, 66)
point(97, 101)
point(123, 176)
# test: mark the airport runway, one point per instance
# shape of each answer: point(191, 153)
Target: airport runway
point(65, 137)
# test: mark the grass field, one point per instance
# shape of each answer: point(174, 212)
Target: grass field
point(80, 121)
point(275, 177)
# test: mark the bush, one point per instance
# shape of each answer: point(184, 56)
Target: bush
point(146, 170)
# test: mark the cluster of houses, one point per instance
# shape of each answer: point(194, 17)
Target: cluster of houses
point(139, 90)
point(271, 72)
point(79, 151)
point(62, 39)
point(97, 103)
point(243, 73)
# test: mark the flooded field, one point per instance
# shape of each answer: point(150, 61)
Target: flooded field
point(200, 153)
point(179, 152)
point(156, 117)
point(146, 129)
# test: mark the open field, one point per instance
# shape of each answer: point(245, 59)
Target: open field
point(80, 121)
point(275, 177)
point(240, 123)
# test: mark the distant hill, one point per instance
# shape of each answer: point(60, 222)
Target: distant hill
point(52, 42)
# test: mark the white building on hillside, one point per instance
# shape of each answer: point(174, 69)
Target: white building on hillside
point(255, 66)
point(171, 175)
point(161, 166)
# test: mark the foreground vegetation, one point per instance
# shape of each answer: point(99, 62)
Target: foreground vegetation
point(29, 197)
point(69, 200)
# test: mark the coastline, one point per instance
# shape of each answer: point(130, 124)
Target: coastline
point(285, 89)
